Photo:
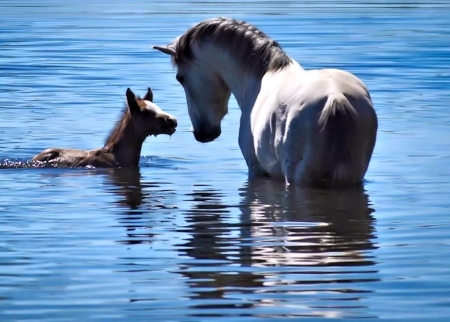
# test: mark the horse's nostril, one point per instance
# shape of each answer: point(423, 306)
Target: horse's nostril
point(171, 121)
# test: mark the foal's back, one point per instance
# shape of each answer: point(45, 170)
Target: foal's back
point(76, 158)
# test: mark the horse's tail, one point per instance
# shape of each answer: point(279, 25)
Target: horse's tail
point(338, 123)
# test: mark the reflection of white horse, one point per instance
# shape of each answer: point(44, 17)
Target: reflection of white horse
point(306, 127)
point(304, 226)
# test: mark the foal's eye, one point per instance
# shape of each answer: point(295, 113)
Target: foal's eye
point(180, 78)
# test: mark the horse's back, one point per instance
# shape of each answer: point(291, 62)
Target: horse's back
point(76, 158)
point(47, 155)
point(320, 83)
point(61, 157)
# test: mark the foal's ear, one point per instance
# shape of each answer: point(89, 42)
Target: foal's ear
point(131, 101)
point(166, 50)
point(149, 95)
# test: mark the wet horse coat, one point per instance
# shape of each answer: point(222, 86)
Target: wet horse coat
point(315, 127)
point(140, 118)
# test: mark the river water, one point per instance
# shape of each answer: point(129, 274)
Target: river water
point(186, 237)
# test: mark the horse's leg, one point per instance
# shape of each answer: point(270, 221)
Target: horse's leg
point(248, 150)
point(291, 157)
point(294, 150)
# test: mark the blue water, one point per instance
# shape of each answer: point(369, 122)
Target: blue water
point(186, 237)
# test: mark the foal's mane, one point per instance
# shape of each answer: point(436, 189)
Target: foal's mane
point(118, 128)
point(253, 48)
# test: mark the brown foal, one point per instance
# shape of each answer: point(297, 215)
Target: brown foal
point(141, 118)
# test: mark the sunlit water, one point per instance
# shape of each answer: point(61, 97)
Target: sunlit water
point(187, 237)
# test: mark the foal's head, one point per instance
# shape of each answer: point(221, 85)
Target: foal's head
point(147, 117)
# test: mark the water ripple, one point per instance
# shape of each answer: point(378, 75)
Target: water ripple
point(187, 236)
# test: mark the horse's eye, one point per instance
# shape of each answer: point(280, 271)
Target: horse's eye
point(180, 78)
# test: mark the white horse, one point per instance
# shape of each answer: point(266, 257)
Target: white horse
point(315, 127)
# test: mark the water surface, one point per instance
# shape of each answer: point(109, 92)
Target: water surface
point(187, 237)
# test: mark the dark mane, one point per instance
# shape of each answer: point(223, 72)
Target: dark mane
point(253, 48)
point(114, 134)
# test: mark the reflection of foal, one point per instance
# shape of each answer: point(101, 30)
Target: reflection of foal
point(141, 118)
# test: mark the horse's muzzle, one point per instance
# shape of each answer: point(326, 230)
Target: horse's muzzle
point(169, 125)
point(205, 136)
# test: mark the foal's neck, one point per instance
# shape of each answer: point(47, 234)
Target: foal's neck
point(125, 144)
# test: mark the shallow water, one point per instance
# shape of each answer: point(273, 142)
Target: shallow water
point(187, 237)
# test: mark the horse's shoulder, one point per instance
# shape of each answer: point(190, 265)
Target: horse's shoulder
point(95, 152)
point(101, 158)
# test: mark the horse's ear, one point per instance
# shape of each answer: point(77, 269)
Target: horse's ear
point(149, 95)
point(131, 101)
point(166, 50)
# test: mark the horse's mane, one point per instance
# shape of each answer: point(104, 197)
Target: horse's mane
point(253, 48)
point(114, 134)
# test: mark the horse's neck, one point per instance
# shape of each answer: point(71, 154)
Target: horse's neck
point(127, 146)
point(244, 84)
point(245, 90)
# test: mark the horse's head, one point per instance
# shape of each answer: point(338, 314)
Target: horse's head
point(207, 94)
point(149, 118)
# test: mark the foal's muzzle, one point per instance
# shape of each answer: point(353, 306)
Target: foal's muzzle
point(207, 135)
point(170, 124)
